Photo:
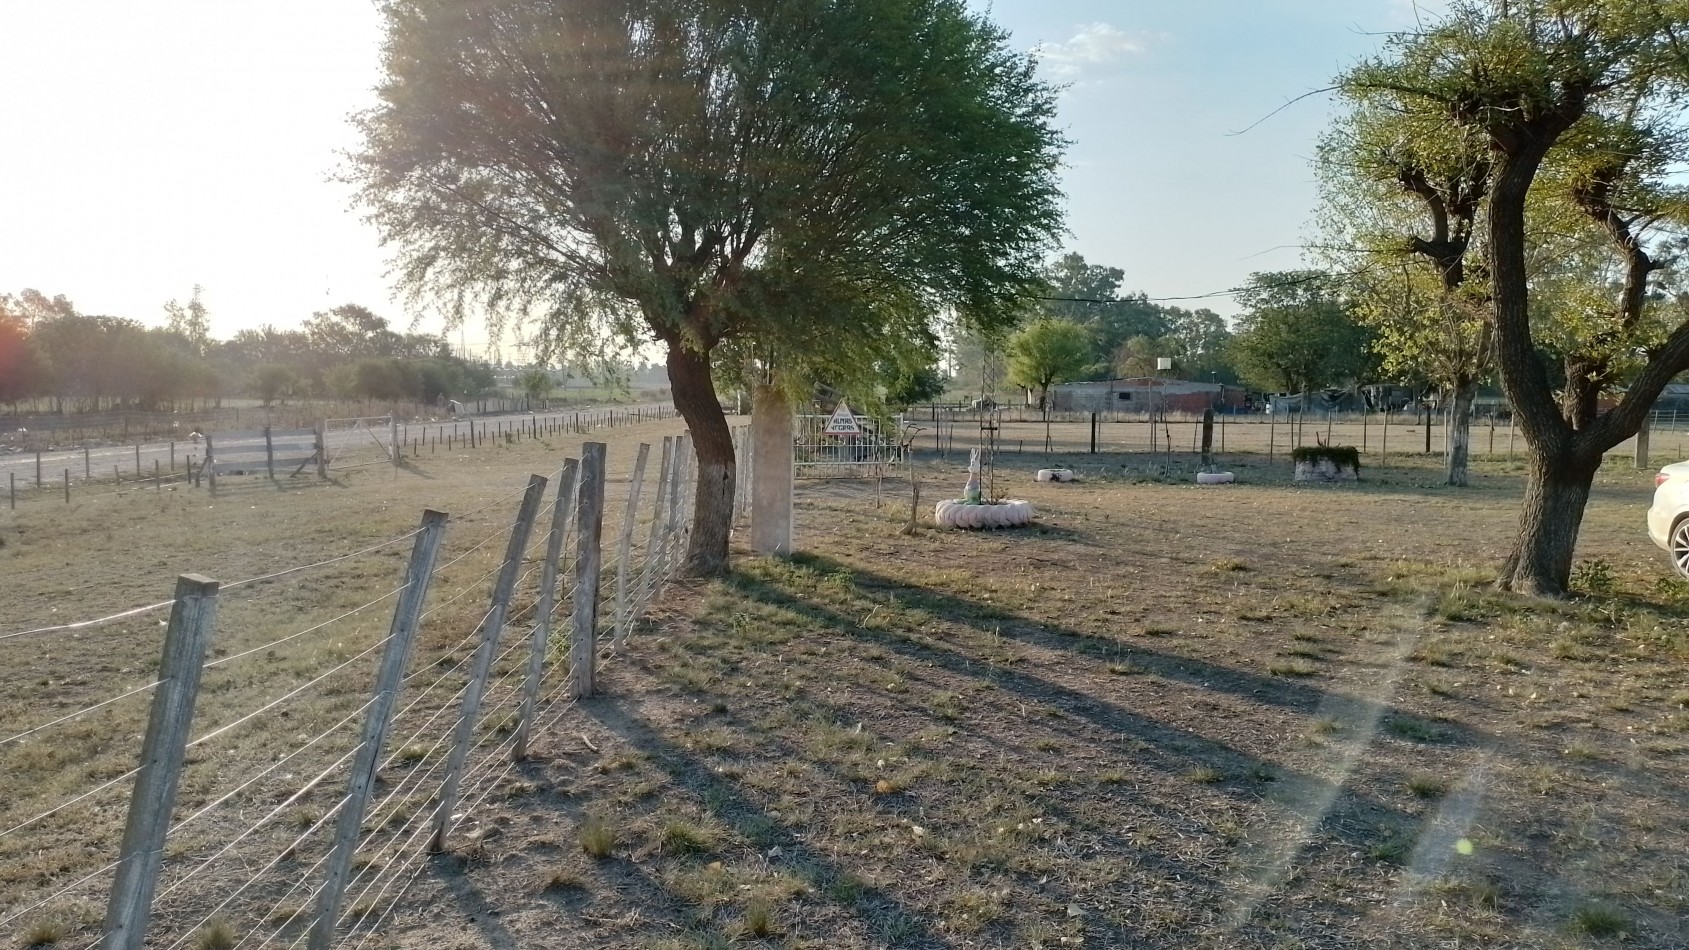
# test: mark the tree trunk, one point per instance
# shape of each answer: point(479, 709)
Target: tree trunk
point(712, 514)
point(1556, 491)
point(1460, 431)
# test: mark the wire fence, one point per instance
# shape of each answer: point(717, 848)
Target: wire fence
point(267, 784)
point(948, 432)
point(266, 456)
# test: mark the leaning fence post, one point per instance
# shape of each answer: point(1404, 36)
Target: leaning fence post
point(547, 605)
point(162, 753)
point(655, 540)
point(390, 676)
point(589, 557)
point(491, 627)
point(624, 618)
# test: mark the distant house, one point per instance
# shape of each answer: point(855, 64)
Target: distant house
point(1144, 394)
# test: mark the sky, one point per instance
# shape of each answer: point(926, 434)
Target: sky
point(152, 146)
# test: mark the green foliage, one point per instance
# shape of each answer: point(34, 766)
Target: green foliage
point(1047, 351)
point(535, 383)
point(1342, 456)
point(272, 382)
point(1297, 334)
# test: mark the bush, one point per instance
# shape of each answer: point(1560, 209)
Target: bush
point(1342, 456)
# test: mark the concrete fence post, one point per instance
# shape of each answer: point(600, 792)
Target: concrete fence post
point(624, 616)
point(192, 620)
point(589, 562)
point(390, 676)
point(484, 655)
point(547, 606)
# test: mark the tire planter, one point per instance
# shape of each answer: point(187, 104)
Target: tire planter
point(1054, 475)
point(1214, 478)
point(1325, 470)
point(1005, 514)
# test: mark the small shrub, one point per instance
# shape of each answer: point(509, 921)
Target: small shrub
point(1595, 576)
point(1342, 456)
point(1294, 668)
point(1228, 565)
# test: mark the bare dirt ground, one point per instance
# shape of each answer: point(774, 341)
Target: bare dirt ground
point(1255, 716)
point(1166, 716)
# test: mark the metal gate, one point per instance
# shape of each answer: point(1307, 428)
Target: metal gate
point(817, 455)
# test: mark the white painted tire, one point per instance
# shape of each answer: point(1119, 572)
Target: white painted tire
point(1007, 514)
point(1054, 475)
point(1214, 478)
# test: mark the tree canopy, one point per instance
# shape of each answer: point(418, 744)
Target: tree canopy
point(1296, 334)
point(1045, 352)
point(812, 178)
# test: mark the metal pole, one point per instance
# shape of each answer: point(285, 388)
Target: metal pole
point(547, 606)
point(490, 630)
point(162, 753)
point(400, 635)
point(589, 555)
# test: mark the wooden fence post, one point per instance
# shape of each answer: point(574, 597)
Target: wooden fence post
point(484, 654)
point(269, 454)
point(185, 640)
point(589, 561)
point(546, 607)
point(389, 678)
point(624, 617)
point(322, 451)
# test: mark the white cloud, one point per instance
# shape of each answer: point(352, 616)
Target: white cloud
point(1093, 45)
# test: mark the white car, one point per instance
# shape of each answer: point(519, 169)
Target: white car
point(1668, 516)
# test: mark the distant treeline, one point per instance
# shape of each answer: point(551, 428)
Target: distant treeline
point(89, 363)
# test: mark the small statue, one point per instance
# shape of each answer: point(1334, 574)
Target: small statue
point(971, 494)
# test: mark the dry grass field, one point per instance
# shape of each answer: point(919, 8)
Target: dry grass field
point(1260, 715)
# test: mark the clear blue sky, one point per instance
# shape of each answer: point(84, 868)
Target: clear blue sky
point(159, 144)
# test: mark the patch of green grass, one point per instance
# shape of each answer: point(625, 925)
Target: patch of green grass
point(1600, 920)
point(1392, 847)
point(759, 919)
point(681, 836)
point(1206, 775)
point(1413, 729)
point(1293, 668)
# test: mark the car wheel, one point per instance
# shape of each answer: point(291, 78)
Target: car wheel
point(1680, 546)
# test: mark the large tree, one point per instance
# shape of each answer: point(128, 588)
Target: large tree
point(1589, 87)
point(816, 176)
point(1045, 352)
point(1297, 334)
